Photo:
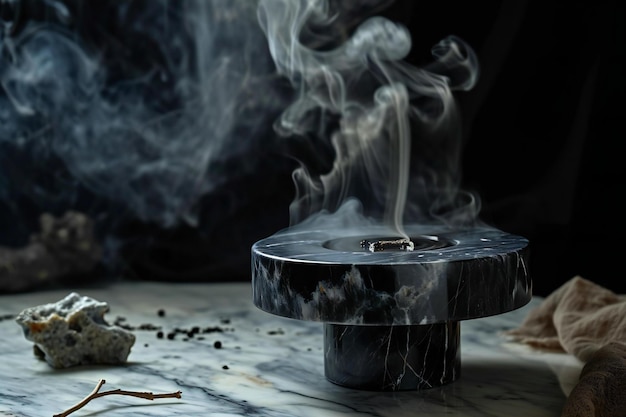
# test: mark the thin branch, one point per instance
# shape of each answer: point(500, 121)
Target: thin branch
point(96, 394)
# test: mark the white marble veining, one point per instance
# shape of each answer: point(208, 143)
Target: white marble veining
point(267, 366)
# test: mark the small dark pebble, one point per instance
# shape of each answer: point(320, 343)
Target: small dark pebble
point(145, 345)
point(225, 321)
point(160, 334)
point(275, 332)
point(217, 344)
point(200, 338)
point(161, 312)
point(225, 367)
point(185, 339)
point(171, 336)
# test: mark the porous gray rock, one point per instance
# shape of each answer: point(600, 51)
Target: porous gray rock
point(73, 332)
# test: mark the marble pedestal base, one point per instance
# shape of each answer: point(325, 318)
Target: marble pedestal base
point(391, 317)
point(392, 358)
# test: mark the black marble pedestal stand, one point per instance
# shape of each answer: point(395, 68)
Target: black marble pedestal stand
point(391, 317)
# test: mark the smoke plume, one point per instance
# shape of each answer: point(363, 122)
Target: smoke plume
point(150, 108)
point(154, 110)
point(395, 138)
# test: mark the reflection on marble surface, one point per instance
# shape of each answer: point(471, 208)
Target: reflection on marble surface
point(266, 366)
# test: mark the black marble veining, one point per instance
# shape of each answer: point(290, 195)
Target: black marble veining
point(392, 358)
point(482, 273)
point(391, 316)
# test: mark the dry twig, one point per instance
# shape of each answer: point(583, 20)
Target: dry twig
point(96, 394)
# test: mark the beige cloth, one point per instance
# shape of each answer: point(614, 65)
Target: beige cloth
point(589, 322)
point(601, 389)
point(579, 317)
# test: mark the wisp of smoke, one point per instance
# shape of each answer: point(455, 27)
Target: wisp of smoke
point(396, 140)
point(150, 106)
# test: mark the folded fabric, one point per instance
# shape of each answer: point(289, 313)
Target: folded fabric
point(579, 318)
point(589, 322)
point(601, 390)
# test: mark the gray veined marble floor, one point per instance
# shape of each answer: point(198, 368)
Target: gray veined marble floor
point(266, 366)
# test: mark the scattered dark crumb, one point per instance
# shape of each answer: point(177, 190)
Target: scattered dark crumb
point(225, 321)
point(212, 329)
point(275, 332)
point(161, 312)
point(309, 349)
point(7, 317)
point(188, 333)
point(145, 345)
point(217, 344)
point(148, 326)
point(225, 367)
point(120, 322)
point(237, 347)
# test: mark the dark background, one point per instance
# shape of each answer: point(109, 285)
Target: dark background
point(542, 139)
point(544, 127)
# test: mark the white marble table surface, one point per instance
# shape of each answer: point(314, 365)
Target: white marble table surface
point(267, 366)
